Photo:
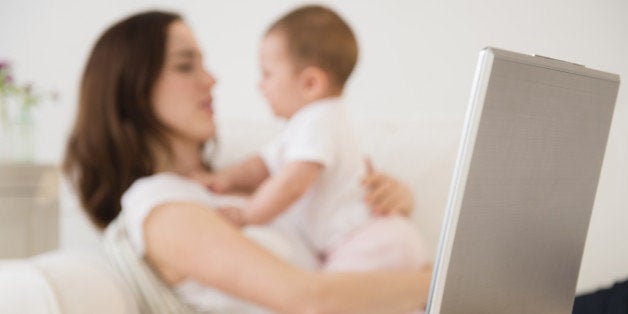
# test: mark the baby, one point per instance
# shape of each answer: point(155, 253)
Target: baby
point(309, 176)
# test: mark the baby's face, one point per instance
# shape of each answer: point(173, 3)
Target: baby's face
point(280, 82)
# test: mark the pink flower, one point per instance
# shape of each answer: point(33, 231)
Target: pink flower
point(5, 72)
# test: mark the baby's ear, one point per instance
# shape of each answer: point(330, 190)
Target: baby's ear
point(315, 81)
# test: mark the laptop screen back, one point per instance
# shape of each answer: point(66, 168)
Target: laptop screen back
point(524, 186)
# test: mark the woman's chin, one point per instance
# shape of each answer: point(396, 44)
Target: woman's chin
point(210, 135)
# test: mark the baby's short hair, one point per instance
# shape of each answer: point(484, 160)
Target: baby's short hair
point(317, 36)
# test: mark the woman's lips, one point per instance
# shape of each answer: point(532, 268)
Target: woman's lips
point(207, 105)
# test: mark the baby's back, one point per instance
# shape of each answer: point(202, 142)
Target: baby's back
point(334, 206)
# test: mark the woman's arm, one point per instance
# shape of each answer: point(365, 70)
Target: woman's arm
point(374, 292)
point(189, 241)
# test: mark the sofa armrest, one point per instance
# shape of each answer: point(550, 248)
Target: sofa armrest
point(68, 282)
point(24, 289)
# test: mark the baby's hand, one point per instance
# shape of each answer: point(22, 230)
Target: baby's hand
point(214, 181)
point(233, 214)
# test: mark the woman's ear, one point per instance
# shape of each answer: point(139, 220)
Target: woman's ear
point(315, 82)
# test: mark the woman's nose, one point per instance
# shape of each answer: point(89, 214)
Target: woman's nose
point(208, 79)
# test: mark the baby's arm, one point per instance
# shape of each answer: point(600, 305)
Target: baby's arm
point(243, 177)
point(278, 192)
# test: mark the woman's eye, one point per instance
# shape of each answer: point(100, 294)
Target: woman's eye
point(185, 68)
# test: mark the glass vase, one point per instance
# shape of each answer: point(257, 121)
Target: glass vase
point(17, 140)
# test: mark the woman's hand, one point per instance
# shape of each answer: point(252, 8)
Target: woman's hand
point(385, 194)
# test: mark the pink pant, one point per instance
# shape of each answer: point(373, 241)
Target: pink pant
point(390, 242)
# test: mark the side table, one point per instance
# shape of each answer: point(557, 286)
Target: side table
point(29, 209)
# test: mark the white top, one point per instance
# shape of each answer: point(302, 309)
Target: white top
point(333, 206)
point(149, 192)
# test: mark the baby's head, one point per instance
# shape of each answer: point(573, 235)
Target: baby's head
point(306, 55)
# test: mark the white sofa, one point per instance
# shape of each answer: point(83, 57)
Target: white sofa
point(75, 279)
point(63, 282)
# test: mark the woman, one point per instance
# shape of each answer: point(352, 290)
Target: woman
point(145, 113)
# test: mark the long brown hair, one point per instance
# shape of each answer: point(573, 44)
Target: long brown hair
point(108, 148)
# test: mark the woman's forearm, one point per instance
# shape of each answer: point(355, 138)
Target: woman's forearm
point(373, 292)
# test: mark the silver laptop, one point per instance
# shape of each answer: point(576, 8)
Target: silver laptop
point(524, 186)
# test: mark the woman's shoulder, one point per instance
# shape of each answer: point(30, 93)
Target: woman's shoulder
point(162, 181)
point(164, 187)
point(147, 193)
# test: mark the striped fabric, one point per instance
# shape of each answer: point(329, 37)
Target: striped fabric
point(152, 294)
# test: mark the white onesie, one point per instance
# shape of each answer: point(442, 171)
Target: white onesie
point(332, 216)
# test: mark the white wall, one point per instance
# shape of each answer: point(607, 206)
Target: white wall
point(417, 60)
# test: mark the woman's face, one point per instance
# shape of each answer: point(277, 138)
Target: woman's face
point(182, 97)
